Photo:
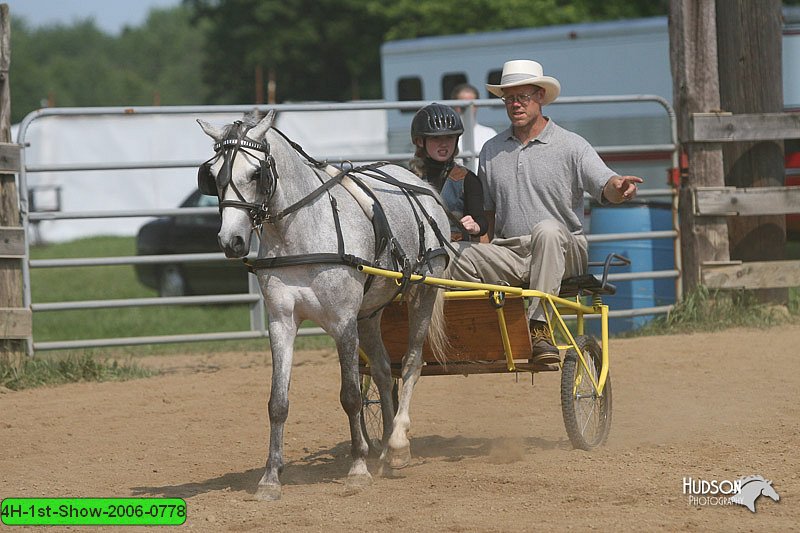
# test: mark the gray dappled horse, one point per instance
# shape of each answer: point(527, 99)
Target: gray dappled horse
point(316, 224)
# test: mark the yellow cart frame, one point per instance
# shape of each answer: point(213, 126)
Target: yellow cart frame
point(557, 308)
point(585, 379)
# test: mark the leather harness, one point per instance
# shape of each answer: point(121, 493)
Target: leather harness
point(237, 141)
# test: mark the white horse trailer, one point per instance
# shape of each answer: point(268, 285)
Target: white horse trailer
point(629, 57)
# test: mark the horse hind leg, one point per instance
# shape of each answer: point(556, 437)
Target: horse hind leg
point(350, 396)
point(369, 334)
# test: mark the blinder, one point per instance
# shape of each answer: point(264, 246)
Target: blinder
point(205, 180)
point(266, 177)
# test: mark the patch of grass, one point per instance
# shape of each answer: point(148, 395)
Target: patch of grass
point(118, 282)
point(114, 282)
point(794, 300)
point(317, 342)
point(705, 310)
point(38, 372)
point(793, 249)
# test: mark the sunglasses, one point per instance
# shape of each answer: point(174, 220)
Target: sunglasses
point(523, 98)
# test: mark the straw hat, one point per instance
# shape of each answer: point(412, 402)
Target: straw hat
point(526, 72)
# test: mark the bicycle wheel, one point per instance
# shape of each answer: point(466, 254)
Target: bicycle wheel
point(371, 417)
point(587, 416)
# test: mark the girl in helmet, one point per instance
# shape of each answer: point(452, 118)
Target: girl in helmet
point(435, 131)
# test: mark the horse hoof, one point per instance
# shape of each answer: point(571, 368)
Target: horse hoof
point(268, 493)
point(400, 458)
point(356, 483)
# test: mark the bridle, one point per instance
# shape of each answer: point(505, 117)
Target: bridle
point(228, 148)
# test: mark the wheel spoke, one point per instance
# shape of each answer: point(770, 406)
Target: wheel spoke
point(372, 412)
point(586, 413)
point(588, 418)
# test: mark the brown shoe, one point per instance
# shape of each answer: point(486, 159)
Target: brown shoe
point(544, 354)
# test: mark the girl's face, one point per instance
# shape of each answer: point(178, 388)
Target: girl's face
point(440, 148)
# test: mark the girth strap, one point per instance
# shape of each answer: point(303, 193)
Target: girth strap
point(380, 224)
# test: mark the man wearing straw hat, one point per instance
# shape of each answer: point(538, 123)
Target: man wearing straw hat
point(534, 176)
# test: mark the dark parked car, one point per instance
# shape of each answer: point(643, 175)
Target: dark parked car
point(187, 235)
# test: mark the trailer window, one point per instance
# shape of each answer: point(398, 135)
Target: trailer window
point(449, 82)
point(494, 79)
point(409, 88)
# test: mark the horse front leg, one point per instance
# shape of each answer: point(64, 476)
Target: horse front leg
point(398, 453)
point(282, 337)
point(350, 398)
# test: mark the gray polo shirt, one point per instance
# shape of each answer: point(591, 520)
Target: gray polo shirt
point(543, 179)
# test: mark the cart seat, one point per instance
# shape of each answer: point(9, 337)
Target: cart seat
point(591, 284)
point(585, 284)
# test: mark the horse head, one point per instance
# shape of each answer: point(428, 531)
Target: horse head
point(241, 174)
point(769, 491)
point(751, 488)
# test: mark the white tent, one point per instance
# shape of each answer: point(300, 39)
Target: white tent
point(120, 140)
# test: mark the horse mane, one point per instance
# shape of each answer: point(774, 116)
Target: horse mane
point(249, 120)
point(253, 117)
point(748, 479)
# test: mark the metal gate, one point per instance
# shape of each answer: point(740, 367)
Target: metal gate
point(258, 329)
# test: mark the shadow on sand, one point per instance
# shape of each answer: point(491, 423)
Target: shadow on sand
point(332, 464)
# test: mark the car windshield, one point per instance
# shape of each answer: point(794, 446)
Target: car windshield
point(207, 201)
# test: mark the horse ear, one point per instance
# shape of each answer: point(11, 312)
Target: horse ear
point(212, 131)
point(260, 129)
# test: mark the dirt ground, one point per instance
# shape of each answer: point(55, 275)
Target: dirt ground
point(490, 451)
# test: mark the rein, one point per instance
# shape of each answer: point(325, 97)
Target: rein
point(268, 179)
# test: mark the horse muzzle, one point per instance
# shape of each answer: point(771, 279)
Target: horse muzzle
point(234, 248)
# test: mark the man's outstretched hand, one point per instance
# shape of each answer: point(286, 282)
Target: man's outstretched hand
point(621, 188)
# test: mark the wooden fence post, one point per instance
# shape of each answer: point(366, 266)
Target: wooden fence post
point(750, 78)
point(693, 60)
point(12, 318)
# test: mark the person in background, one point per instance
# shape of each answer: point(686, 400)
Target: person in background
point(435, 130)
point(534, 176)
point(480, 133)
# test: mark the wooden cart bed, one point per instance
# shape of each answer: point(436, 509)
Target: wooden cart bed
point(473, 329)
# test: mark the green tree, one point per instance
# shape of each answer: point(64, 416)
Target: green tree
point(313, 49)
point(167, 52)
point(79, 65)
point(330, 49)
point(410, 18)
point(60, 65)
point(208, 51)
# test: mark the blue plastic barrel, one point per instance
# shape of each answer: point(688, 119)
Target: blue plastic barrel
point(646, 255)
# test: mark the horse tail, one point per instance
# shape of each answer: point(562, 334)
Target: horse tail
point(437, 330)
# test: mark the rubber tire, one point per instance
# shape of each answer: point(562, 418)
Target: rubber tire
point(371, 418)
point(574, 412)
point(171, 281)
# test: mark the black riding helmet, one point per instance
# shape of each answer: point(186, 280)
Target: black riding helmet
point(434, 120)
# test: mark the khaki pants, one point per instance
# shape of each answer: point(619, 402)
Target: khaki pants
point(537, 261)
